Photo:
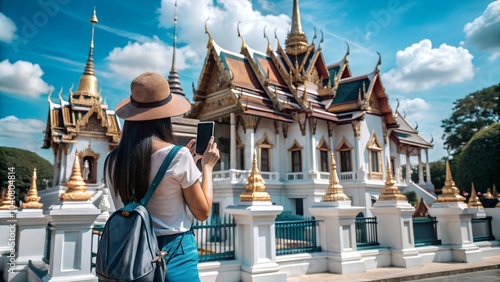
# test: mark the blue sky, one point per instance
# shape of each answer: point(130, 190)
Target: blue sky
point(433, 52)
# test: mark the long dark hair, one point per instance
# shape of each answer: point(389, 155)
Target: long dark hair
point(130, 162)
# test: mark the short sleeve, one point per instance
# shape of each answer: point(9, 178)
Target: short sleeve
point(184, 169)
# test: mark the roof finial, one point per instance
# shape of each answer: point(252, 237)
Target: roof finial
point(88, 82)
point(314, 37)
point(296, 42)
point(50, 94)
point(243, 44)
point(89, 68)
point(379, 62)
point(321, 40)
point(173, 76)
point(210, 39)
point(277, 39)
point(269, 47)
point(175, 37)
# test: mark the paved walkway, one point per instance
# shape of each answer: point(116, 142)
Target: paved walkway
point(429, 270)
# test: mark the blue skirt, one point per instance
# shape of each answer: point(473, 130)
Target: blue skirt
point(182, 257)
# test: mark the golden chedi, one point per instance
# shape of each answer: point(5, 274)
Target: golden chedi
point(31, 199)
point(5, 202)
point(450, 193)
point(474, 200)
point(76, 187)
point(488, 194)
point(391, 191)
point(254, 189)
point(334, 191)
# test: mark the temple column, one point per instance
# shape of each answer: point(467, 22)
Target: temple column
point(420, 169)
point(427, 167)
point(232, 149)
point(408, 168)
point(250, 123)
point(308, 166)
point(276, 163)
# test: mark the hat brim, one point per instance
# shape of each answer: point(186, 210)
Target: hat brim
point(175, 107)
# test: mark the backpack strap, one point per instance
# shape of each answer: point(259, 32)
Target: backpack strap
point(159, 175)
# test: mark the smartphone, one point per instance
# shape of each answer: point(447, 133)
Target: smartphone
point(203, 134)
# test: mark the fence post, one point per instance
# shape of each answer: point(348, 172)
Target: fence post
point(338, 236)
point(30, 242)
point(256, 240)
point(71, 241)
point(495, 221)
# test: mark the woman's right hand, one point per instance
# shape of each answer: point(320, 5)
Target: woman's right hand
point(211, 155)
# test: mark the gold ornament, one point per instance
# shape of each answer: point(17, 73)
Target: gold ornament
point(254, 189)
point(391, 191)
point(334, 191)
point(31, 199)
point(450, 192)
point(76, 187)
point(474, 200)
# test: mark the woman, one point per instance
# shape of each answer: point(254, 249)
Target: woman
point(146, 140)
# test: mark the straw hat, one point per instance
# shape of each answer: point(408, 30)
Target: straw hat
point(151, 99)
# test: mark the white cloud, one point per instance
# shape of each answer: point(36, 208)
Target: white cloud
point(136, 58)
point(484, 31)
point(8, 30)
point(420, 67)
point(222, 24)
point(21, 133)
point(22, 77)
point(415, 109)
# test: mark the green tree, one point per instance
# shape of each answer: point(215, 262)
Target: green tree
point(23, 163)
point(471, 114)
point(412, 198)
point(480, 160)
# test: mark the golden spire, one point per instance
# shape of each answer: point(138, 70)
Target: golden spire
point(488, 194)
point(76, 187)
point(391, 191)
point(334, 191)
point(254, 189)
point(450, 192)
point(173, 77)
point(88, 82)
point(494, 193)
point(5, 202)
point(473, 200)
point(296, 42)
point(31, 199)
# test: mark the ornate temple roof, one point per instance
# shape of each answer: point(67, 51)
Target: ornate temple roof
point(84, 114)
point(291, 82)
point(407, 135)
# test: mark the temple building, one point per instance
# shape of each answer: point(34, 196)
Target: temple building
point(295, 109)
point(81, 126)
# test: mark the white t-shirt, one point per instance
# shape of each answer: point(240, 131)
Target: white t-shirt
point(167, 207)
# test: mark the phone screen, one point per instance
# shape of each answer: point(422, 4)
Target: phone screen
point(205, 131)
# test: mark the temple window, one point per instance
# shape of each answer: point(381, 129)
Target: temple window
point(324, 151)
point(375, 157)
point(296, 156)
point(88, 164)
point(345, 155)
point(265, 147)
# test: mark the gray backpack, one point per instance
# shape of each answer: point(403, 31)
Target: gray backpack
point(128, 248)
